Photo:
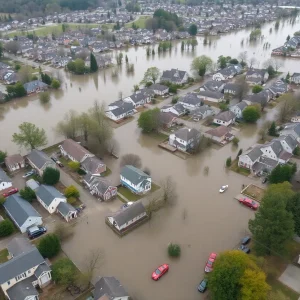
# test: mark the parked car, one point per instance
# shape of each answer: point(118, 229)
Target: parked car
point(10, 192)
point(223, 188)
point(126, 205)
point(264, 180)
point(210, 262)
point(36, 231)
point(244, 249)
point(59, 163)
point(250, 203)
point(245, 240)
point(32, 172)
point(202, 286)
point(160, 271)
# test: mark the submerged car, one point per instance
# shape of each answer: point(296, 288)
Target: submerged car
point(250, 203)
point(160, 271)
point(210, 262)
point(223, 188)
point(202, 285)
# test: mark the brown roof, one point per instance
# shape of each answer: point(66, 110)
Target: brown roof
point(74, 149)
point(219, 131)
point(13, 159)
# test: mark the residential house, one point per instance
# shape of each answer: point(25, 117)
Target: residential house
point(135, 180)
point(109, 288)
point(21, 212)
point(67, 211)
point(261, 98)
point(93, 165)
point(225, 118)
point(167, 119)
point(296, 117)
point(25, 272)
point(100, 187)
point(35, 86)
point(275, 150)
point(185, 139)
point(225, 74)
point(295, 78)
point(14, 162)
point(202, 113)
point(5, 181)
point(138, 99)
point(127, 217)
point(174, 76)
point(220, 134)
point(124, 110)
point(211, 96)
point(213, 86)
point(49, 197)
point(176, 109)
point(292, 129)
point(190, 101)
point(250, 156)
point(238, 108)
point(39, 161)
point(33, 184)
point(232, 89)
point(278, 88)
point(257, 76)
point(159, 89)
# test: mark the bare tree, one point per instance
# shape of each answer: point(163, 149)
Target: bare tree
point(243, 88)
point(278, 64)
point(25, 74)
point(131, 159)
point(113, 146)
point(243, 57)
point(252, 62)
point(84, 125)
point(69, 126)
point(169, 195)
point(12, 47)
point(287, 108)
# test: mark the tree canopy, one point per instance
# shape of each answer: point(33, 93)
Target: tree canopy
point(282, 173)
point(251, 113)
point(49, 245)
point(30, 136)
point(51, 176)
point(256, 89)
point(201, 64)
point(193, 29)
point(94, 65)
point(151, 75)
point(149, 120)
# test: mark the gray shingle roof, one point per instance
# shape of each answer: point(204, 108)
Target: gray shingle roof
point(173, 75)
point(19, 209)
point(64, 208)
point(32, 85)
point(39, 158)
point(213, 85)
point(134, 174)
point(254, 153)
point(125, 215)
point(4, 177)
point(191, 98)
point(125, 108)
point(91, 164)
point(20, 264)
point(158, 87)
point(75, 149)
point(48, 193)
point(31, 183)
point(225, 116)
point(232, 87)
point(211, 94)
point(110, 287)
point(289, 139)
point(18, 246)
point(22, 289)
point(40, 269)
point(187, 134)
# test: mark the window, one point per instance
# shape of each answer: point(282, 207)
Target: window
point(8, 282)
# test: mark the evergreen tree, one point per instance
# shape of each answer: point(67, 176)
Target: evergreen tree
point(94, 65)
point(272, 130)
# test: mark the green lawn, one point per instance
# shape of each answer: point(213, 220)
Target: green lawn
point(107, 172)
point(277, 285)
point(133, 197)
point(234, 167)
point(3, 256)
point(50, 150)
point(140, 23)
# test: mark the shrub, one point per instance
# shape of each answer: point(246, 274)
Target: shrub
point(173, 88)
point(74, 165)
point(49, 246)
point(6, 228)
point(296, 151)
point(2, 200)
point(256, 89)
point(235, 141)
point(239, 153)
point(81, 172)
point(51, 176)
point(228, 162)
point(44, 97)
point(71, 191)
point(251, 113)
point(55, 84)
point(174, 250)
point(175, 99)
point(28, 194)
point(71, 200)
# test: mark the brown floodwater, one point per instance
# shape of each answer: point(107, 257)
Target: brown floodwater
point(202, 221)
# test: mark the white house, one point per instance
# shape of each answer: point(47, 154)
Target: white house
point(138, 99)
point(49, 197)
point(211, 96)
point(184, 139)
point(224, 74)
point(5, 181)
point(225, 118)
point(159, 89)
point(296, 118)
point(109, 288)
point(202, 113)
point(190, 101)
point(25, 271)
point(238, 108)
point(124, 110)
point(14, 162)
point(176, 109)
point(295, 78)
point(174, 76)
point(124, 218)
point(67, 211)
point(135, 180)
point(292, 129)
point(257, 76)
point(22, 212)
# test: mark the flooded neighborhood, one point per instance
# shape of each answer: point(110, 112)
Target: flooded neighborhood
point(202, 218)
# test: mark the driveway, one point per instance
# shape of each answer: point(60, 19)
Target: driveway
point(291, 278)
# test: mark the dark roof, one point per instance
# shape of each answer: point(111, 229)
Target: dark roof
point(32, 85)
point(211, 94)
point(230, 70)
point(91, 164)
point(48, 193)
point(253, 71)
point(41, 269)
point(134, 174)
point(19, 209)
point(241, 105)
point(232, 87)
point(166, 117)
point(289, 139)
point(158, 87)
point(187, 134)
point(173, 75)
point(294, 127)
point(213, 85)
point(126, 107)
point(18, 246)
point(38, 158)
point(191, 98)
point(125, 215)
point(64, 208)
point(110, 287)
point(254, 153)
point(179, 108)
point(22, 289)
point(20, 264)
point(4, 177)
point(225, 115)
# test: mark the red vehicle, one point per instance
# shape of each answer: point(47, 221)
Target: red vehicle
point(10, 192)
point(250, 203)
point(160, 271)
point(210, 262)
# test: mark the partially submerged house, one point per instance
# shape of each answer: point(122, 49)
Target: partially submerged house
point(225, 118)
point(202, 113)
point(35, 87)
point(185, 139)
point(190, 101)
point(14, 162)
point(220, 134)
point(238, 109)
point(120, 111)
point(174, 76)
point(257, 76)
